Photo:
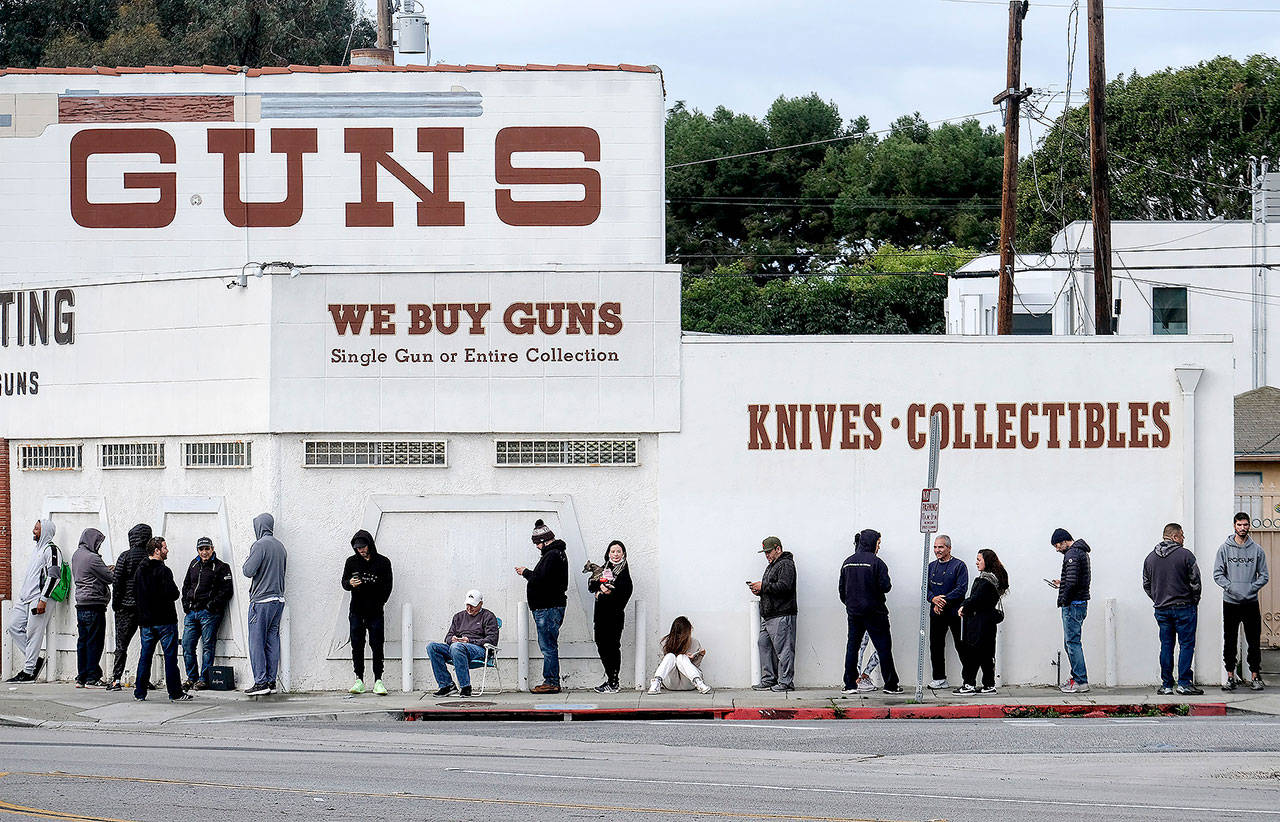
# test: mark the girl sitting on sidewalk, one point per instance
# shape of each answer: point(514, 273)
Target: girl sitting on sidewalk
point(681, 653)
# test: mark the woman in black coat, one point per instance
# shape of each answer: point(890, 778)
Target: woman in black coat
point(981, 615)
point(613, 592)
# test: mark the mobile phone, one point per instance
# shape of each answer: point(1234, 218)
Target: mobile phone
point(1049, 582)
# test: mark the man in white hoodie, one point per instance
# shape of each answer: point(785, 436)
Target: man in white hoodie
point(32, 611)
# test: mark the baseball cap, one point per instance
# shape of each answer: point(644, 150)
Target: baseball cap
point(474, 597)
point(204, 542)
point(769, 544)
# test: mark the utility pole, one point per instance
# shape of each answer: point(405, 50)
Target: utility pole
point(1098, 172)
point(384, 24)
point(1011, 98)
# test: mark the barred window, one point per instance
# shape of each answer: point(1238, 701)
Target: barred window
point(237, 454)
point(567, 452)
point(52, 457)
point(131, 455)
point(380, 453)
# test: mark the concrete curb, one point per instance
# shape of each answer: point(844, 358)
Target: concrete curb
point(1050, 711)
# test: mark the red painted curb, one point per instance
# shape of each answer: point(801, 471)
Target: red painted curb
point(1209, 709)
point(946, 712)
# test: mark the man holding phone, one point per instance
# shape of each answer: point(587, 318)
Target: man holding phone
point(1073, 601)
point(777, 640)
point(367, 575)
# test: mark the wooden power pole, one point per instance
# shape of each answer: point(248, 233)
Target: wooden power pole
point(1011, 98)
point(384, 24)
point(1098, 172)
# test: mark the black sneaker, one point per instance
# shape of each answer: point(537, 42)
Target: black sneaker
point(114, 685)
point(1165, 690)
point(200, 685)
point(271, 687)
point(465, 691)
point(1256, 684)
point(987, 689)
point(447, 690)
point(606, 688)
point(20, 676)
point(95, 683)
point(258, 689)
point(1188, 690)
point(183, 698)
point(1231, 683)
point(896, 689)
point(763, 686)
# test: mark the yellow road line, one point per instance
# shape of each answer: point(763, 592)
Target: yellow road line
point(428, 798)
point(41, 813)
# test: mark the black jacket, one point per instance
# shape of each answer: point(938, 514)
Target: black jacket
point(610, 606)
point(864, 580)
point(778, 587)
point(1076, 575)
point(549, 579)
point(374, 589)
point(155, 590)
point(980, 611)
point(207, 586)
point(127, 568)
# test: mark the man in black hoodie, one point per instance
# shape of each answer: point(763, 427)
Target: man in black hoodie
point(1171, 578)
point(206, 590)
point(367, 575)
point(548, 581)
point(864, 581)
point(155, 592)
point(122, 599)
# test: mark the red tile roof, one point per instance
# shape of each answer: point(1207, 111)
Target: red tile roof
point(258, 72)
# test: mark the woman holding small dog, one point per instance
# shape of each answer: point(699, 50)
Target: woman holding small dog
point(612, 587)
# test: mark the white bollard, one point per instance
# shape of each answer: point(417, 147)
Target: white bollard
point(285, 673)
point(753, 632)
point(6, 640)
point(406, 648)
point(642, 666)
point(1109, 623)
point(522, 647)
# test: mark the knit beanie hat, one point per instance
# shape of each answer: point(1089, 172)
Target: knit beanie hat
point(1060, 535)
point(541, 533)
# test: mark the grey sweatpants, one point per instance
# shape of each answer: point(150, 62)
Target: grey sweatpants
point(28, 631)
point(777, 644)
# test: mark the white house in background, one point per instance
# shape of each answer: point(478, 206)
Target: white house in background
point(1169, 278)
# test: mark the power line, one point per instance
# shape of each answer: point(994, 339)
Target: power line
point(1198, 9)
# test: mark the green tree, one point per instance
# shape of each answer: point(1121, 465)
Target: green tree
point(1179, 140)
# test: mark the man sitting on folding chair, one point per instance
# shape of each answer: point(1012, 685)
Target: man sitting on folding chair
point(471, 637)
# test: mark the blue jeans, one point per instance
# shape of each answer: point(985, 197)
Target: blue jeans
point(548, 622)
point(1072, 622)
point(1179, 622)
point(202, 627)
point(264, 640)
point(167, 637)
point(460, 654)
point(91, 634)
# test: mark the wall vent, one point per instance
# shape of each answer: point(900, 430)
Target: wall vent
point(567, 452)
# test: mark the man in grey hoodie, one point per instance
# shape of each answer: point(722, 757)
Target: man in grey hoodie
point(1171, 578)
point(265, 567)
point(1241, 569)
point(32, 611)
point(93, 592)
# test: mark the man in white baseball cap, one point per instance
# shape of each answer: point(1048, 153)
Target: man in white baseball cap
point(471, 629)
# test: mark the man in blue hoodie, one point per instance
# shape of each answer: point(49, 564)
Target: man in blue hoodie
point(864, 581)
point(265, 569)
point(1241, 570)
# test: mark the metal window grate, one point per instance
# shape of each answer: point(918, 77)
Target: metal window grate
point(379, 453)
point(131, 455)
point(59, 457)
point(567, 452)
point(238, 454)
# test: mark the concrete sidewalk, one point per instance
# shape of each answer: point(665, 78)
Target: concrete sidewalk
point(63, 705)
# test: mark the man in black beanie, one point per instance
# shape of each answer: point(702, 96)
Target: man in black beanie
point(548, 581)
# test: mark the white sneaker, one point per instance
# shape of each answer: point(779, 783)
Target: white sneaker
point(1073, 687)
point(865, 685)
point(655, 687)
point(703, 688)
point(939, 684)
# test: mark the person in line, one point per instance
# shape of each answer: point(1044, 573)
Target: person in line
point(34, 608)
point(367, 575)
point(265, 568)
point(206, 590)
point(777, 641)
point(547, 583)
point(155, 592)
point(1073, 601)
point(613, 591)
point(93, 592)
point(864, 581)
point(948, 582)
point(1171, 578)
point(123, 602)
point(681, 655)
point(1241, 570)
point(471, 630)
point(981, 614)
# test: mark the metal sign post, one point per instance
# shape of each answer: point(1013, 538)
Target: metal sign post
point(928, 526)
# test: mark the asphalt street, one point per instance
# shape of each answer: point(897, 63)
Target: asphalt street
point(1140, 769)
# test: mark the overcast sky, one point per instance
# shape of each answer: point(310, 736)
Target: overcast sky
point(880, 58)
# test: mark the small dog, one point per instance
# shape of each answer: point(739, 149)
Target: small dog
point(596, 571)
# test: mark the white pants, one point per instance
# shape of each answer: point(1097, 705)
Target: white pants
point(28, 631)
point(682, 662)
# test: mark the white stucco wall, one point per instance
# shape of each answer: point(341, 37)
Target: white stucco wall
point(719, 498)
